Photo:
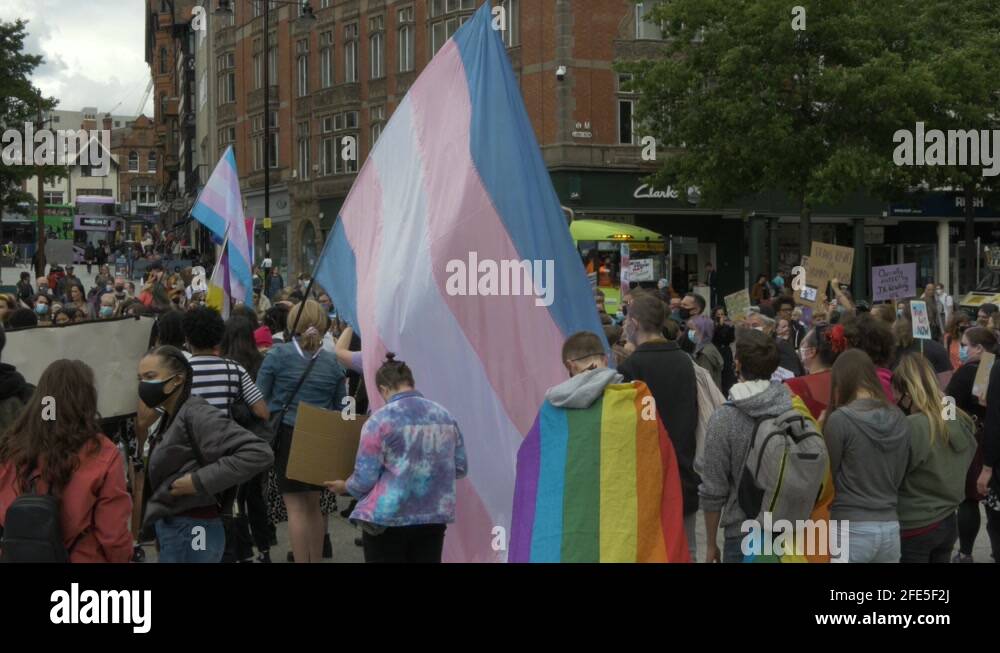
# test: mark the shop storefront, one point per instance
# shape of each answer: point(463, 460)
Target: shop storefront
point(694, 235)
point(280, 235)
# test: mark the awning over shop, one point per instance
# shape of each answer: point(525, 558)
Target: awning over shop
point(602, 230)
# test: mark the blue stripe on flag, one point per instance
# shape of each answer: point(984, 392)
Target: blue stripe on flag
point(509, 162)
point(212, 220)
point(336, 271)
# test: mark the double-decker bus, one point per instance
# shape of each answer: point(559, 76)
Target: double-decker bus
point(94, 222)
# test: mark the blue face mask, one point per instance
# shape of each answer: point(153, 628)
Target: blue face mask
point(963, 353)
point(42, 309)
point(107, 311)
point(692, 335)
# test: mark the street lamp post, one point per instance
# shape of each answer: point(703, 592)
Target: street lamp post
point(308, 18)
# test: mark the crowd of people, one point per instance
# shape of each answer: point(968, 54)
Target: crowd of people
point(911, 442)
point(909, 438)
point(210, 442)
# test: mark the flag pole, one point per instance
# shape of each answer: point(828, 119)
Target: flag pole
point(218, 255)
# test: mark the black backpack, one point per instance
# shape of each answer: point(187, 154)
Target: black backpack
point(32, 530)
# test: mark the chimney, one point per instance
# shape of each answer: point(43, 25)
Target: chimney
point(107, 121)
point(89, 119)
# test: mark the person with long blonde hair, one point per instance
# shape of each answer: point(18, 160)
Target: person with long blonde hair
point(293, 372)
point(942, 445)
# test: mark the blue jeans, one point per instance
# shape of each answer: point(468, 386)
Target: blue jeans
point(185, 539)
point(873, 541)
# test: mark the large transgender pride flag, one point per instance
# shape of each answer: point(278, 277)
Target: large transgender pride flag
point(220, 209)
point(458, 171)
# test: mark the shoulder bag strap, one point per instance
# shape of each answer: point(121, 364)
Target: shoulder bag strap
point(298, 386)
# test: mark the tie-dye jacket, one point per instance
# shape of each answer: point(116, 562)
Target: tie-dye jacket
point(410, 455)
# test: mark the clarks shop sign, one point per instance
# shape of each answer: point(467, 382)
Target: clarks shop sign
point(647, 192)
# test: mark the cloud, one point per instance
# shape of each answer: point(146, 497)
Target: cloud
point(94, 51)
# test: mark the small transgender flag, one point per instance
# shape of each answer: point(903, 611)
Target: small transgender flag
point(452, 251)
point(220, 209)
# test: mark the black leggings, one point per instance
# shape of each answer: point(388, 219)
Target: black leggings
point(419, 544)
point(250, 499)
point(968, 525)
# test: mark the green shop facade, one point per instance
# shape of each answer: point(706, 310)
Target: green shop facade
point(760, 235)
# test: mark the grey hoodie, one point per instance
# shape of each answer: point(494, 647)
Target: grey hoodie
point(582, 390)
point(869, 445)
point(727, 439)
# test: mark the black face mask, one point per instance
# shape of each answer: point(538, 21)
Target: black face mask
point(684, 313)
point(152, 393)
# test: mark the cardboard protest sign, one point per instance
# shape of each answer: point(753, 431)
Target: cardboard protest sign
point(890, 282)
point(813, 292)
point(737, 305)
point(982, 381)
point(921, 321)
point(324, 445)
point(831, 261)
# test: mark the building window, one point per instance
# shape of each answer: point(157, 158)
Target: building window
point(257, 139)
point(376, 49)
point(143, 195)
point(626, 122)
point(407, 32)
point(326, 59)
point(346, 166)
point(351, 53)
point(304, 164)
point(133, 161)
point(512, 29)
point(643, 28)
point(329, 155)
point(324, 4)
point(227, 88)
point(164, 66)
point(52, 197)
point(446, 17)
point(227, 77)
point(274, 149)
point(256, 8)
point(258, 65)
point(151, 162)
point(227, 136)
point(302, 49)
point(376, 117)
point(272, 61)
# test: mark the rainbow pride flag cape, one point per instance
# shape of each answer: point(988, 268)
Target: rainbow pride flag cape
point(598, 484)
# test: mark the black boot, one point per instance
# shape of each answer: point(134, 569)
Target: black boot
point(327, 547)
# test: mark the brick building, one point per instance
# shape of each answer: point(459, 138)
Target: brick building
point(345, 74)
point(140, 169)
point(342, 75)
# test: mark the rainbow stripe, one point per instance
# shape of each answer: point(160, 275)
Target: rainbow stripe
point(598, 485)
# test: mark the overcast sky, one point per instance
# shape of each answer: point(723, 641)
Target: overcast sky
point(93, 50)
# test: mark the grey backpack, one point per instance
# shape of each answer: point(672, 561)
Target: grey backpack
point(784, 470)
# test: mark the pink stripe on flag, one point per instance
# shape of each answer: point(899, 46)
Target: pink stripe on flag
point(362, 218)
point(522, 361)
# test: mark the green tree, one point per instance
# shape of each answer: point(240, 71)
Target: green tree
point(760, 106)
point(20, 102)
point(958, 51)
